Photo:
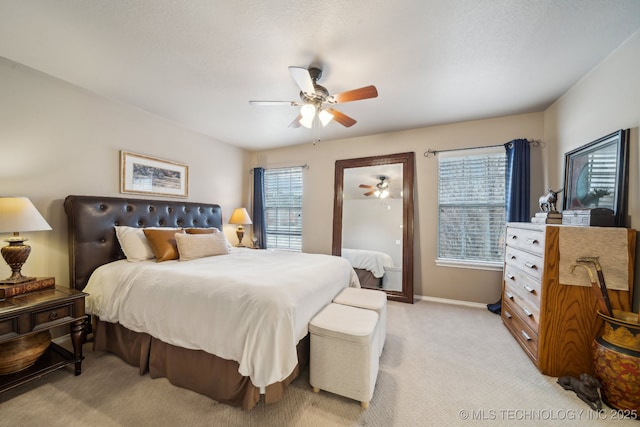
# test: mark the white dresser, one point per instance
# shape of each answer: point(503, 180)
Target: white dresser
point(555, 324)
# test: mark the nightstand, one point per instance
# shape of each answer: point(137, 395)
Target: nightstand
point(34, 312)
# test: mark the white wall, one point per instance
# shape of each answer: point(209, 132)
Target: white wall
point(442, 282)
point(606, 100)
point(57, 139)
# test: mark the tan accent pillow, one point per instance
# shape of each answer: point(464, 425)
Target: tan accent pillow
point(163, 243)
point(201, 230)
point(192, 246)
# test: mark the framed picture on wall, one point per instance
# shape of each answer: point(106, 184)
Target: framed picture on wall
point(141, 174)
point(596, 176)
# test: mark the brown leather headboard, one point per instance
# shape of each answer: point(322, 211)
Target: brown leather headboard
point(92, 238)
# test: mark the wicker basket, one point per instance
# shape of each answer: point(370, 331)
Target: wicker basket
point(23, 352)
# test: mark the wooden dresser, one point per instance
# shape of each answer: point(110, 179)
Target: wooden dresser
point(554, 323)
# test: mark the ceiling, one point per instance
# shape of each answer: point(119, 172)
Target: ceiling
point(198, 62)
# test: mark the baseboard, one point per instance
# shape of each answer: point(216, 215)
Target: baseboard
point(452, 301)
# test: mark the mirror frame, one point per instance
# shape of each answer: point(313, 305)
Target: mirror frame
point(408, 162)
point(578, 160)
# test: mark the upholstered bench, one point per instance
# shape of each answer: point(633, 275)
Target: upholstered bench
point(344, 352)
point(370, 299)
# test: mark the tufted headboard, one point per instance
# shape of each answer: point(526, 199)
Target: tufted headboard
point(92, 238)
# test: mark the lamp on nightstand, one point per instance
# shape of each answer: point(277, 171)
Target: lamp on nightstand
point(18, 214)
point(241, 217)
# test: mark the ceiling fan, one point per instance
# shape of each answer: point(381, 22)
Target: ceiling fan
point(316, 102)
point(380, 190)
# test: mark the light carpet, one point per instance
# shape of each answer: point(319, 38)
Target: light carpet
point(443, 365)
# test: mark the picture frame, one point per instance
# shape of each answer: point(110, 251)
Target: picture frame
point(140, 174)
point(596, 176)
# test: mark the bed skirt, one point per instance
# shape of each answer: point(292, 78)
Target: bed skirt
point(195, 370)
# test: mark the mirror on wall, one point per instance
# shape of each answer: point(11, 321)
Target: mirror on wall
point(373, 221)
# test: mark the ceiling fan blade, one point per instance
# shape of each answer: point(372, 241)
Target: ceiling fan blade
point(296, 122)
point(274, 103)
point(341, 118)
point(369, 193)
point(303, 79)
point(365, 186)
point(354, 95)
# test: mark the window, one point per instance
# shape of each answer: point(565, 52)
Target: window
point(283, 208)
point(471, 207)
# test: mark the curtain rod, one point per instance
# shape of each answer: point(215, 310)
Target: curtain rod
point(433, 153)
point(305, 166)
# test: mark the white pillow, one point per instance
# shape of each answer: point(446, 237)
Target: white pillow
point(134, 243)
point(192, 246)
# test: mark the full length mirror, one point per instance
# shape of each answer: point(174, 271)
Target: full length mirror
point(373, 221)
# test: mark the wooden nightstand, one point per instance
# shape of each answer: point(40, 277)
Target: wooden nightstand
point(39, 311)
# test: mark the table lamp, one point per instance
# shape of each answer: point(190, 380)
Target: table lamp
point(241, 217)
point(18, 214)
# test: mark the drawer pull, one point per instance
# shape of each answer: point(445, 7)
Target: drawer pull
point(529, 289)
point(525, 336)
point(532, 241)
point(527, 312)
point(53, 315)
point(508, 295)
point(530, 265)
point(511, 276)
point(507, 314)
point(513, 237)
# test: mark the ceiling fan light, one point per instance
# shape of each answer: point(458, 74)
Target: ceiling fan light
point(307, 121)
point(308, 111)
point(384, 194)
point(325, 117)
point(377, 193)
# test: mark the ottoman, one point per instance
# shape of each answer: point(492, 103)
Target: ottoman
point(344, 352)
point(371, 300)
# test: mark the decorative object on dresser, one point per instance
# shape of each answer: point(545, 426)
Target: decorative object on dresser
point(548, 202)
point(547, 218)
point(552, 312)
point(240, 216)
point(18, 214)
point(38, 283)
point(141, 174)
point(602, 217)
point(26, 350)
point(596, 175)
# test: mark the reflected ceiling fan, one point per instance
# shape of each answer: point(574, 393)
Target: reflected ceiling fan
point(316, 102)
point(380, 190)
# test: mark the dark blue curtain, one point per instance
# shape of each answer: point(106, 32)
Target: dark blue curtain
point(518, 193)
point(259, 219)
point(518, 181)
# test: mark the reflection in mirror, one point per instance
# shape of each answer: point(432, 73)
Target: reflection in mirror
point(373, 221)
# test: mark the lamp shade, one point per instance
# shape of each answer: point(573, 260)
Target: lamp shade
point(240, 216)
point(18, 214)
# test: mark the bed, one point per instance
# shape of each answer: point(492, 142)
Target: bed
point(368, 265)
point(231, 327)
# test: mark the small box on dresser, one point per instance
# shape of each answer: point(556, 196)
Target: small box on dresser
point(555, 324)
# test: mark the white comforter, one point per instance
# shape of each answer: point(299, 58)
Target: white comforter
point(251, 306)
point(373, 261)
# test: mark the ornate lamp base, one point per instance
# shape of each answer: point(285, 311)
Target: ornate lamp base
point(16, 254)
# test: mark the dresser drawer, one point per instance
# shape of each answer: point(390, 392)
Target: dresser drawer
point(527, 338)
point(528, 287)
point(529, 313)
point(45, 318)
point(8, 328)
point(524, 261)
point(528, 240)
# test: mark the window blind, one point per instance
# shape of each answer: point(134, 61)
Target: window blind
point(471, 205)
point(283, 208)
